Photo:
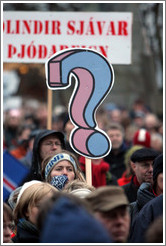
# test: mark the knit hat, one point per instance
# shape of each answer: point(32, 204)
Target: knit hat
point(68, 222)
point(157, 167)
point(107, 198)
point(142, 137)
point(25, 186)
point(56, 159)
point(144, 154)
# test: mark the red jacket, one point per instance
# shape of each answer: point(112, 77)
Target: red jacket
point(98, 171)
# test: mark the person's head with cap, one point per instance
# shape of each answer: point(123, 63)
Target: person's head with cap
point(64, 165)
point(142, 164)
point(110, 206)
point(142, 137)
point(70, 221)
point(158, 174)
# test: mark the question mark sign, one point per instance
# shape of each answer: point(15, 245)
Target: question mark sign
point(94, 78)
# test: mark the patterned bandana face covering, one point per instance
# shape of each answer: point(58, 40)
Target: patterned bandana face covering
point(56, 159)
point(59, 181)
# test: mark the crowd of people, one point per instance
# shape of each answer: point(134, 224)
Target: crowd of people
point(54, 203)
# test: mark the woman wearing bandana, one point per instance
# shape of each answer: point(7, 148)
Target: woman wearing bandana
point(59, 169)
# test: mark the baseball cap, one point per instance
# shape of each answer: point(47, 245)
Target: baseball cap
point(107, 198)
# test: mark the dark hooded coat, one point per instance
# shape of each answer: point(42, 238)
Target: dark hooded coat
point(35, 172)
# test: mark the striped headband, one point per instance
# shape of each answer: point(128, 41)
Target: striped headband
point(57, 158)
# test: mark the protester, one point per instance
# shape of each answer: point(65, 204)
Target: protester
point(30, 198)
point(139, 106)
point(147, 191)
point(69, 220)
point(110, 206)
point(100, 172)
point(116, 115)
point(58, 169)
point(142, 165)
point(138, 119)
point(46, 142)
point(116, 156)
point(12, 121)
point(152, 210)
point(8, 223)
point(151, 122)
point(157, 142)
point(129, 134)
point(42, 115)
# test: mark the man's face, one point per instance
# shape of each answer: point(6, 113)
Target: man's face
point(49, 145)
point(143, 171)
point(117, 222)
point(116, 138)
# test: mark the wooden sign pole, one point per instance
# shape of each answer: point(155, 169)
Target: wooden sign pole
point(88, 169)
point(49, 104)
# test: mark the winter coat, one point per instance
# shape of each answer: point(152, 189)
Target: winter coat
point(144, 195)
point(100, 176)
point(116, 161)
point(145, 217)
point(131, 190)
point(35, 172)
point(26, 233)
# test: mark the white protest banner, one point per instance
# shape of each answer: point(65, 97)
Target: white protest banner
point(33, 37)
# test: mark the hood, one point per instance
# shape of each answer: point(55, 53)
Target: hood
point(36, 161)
point(69, 222)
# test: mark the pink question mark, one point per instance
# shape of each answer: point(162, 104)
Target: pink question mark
point(94, 78)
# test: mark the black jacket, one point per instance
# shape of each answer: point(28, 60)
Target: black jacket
point(26, 233)
point(131, 191)
point(145, 217)
point(35, 172)
point(144, 195)
point(116, 161)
